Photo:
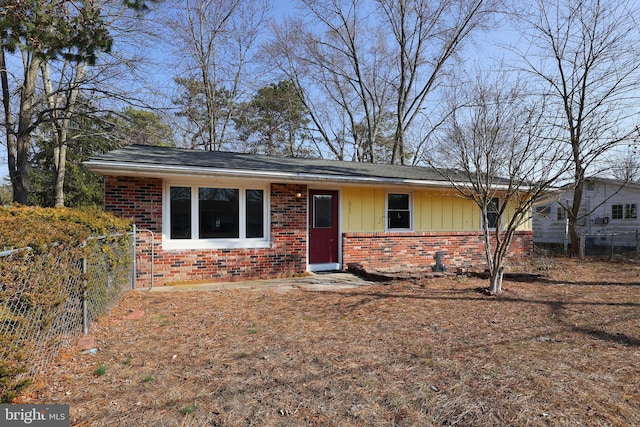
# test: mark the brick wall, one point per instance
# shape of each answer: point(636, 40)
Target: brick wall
point(137, 198)
point(417, 250)
point(141, 199)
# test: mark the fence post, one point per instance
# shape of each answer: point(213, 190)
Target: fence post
point(134, 266)
point(611, 248)
point(85, 314)
point(637, 244)
point(582, 244)
point(153, 256)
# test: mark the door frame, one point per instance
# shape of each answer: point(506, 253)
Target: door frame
point(328, 266)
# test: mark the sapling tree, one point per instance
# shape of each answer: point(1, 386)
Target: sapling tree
point(496, 151)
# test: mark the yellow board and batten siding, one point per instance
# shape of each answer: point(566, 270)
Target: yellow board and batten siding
point(363, 210)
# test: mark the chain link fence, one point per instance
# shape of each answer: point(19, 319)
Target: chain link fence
point(47, 299)
point(612, 245)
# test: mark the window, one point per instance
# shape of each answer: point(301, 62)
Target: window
point(180, 212)
point(627, 211)
point(220, 217)
point(398, 211)
point(562, 213)
point(219, 213)
point(630, 211)
point(616, 212)
point(255, 214)
point(493, 208)
point(322, 210)
point(543, 210)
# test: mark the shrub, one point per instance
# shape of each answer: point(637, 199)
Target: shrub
point(41, 288)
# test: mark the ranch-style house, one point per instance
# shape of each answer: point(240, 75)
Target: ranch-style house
point(220, 216)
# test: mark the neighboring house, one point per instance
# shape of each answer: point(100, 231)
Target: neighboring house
point(608, 207)
point(229, 216)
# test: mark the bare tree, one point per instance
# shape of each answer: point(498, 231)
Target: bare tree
point(428, 35)
point(496, 150)
point(217, 39)
point(584, 55)
point(338, 60)
point(359, 64)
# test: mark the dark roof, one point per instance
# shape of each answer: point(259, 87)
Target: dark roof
point(140, 159)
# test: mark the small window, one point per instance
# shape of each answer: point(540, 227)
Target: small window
point(617, 211)
point(562, 213)
point(322, 211)
point(630, 211)
point(398, 211)
point(543, 210)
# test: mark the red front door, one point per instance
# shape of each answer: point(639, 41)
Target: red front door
point(323, 226)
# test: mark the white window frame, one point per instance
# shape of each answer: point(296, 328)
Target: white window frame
point(195, 242)
point(630, 208)
point(411, 211)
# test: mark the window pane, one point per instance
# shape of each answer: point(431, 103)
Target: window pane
point(398, 212)
point(399, 201)
point(399, 219)
point(255, 213)
point(180, 212)
point(322, 211)
point(543, 210)
point(218, 213)
point(562, 213)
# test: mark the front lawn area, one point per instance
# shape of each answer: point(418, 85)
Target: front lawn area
point(561, 350)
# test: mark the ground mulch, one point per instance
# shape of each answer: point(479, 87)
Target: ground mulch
point(560, 349)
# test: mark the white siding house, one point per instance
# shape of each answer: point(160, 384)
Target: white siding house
point(611, 209)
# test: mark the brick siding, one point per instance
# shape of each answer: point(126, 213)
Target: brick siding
point(141, 199)
point(137, 198)
point(410, 251)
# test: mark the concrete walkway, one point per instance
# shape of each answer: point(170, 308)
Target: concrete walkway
point(312, 282)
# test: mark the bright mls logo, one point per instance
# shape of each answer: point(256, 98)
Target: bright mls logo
point(34, 415)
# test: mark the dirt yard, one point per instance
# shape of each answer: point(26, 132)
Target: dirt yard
point(560, 350)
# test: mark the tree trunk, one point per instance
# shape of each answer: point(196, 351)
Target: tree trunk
point(62, 108)
point(8, 115)
point(574, 213)
point(495, 286)
point(20, 175)
point(60, 159)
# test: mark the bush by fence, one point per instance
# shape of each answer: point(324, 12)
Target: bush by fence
point(50, 269)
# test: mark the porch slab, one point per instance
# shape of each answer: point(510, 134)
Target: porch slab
point(313, 282)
